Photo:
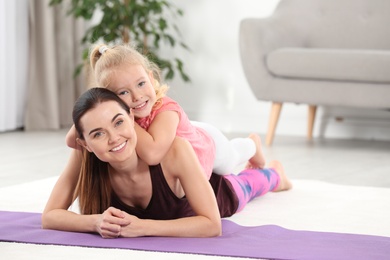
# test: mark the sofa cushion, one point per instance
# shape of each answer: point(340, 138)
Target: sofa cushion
point(330, 64)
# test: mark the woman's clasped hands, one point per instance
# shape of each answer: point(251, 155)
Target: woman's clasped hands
point(115, 223)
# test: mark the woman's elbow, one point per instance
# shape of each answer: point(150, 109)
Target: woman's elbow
point(45, 221)
point(216, 232)
point(215, 229)
point(218, 229)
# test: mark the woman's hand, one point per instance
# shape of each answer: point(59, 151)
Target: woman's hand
point(136, 228)
point(111, 223)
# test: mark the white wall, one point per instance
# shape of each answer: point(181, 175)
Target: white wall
point(219, 93)
point(13, 62)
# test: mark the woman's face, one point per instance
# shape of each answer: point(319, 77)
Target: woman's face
point(135, 87)
point(109, 132)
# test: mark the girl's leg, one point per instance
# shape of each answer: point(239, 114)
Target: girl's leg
point(229, 154)
point(252, 183)
point(257, 160)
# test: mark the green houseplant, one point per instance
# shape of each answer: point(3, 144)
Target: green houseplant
point(141, 22)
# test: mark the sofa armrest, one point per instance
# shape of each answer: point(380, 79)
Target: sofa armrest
point(260, 36)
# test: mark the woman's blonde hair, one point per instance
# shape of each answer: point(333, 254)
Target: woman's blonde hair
point(105, 60)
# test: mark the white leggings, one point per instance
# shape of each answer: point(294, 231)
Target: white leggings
point(228, 153)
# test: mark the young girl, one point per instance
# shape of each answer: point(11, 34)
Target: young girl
point(121, 195)
point(136, 80)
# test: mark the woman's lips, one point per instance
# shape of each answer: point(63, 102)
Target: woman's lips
point(119, 147)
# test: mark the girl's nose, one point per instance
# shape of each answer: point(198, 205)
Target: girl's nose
point(136, 95)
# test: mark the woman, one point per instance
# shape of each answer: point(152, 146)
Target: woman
point(120, 195)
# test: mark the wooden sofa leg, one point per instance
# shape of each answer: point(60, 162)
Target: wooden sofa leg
point(273, 121)
point(310, 122)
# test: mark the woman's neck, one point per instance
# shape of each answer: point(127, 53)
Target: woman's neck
point(132, 166)
point(131, 182)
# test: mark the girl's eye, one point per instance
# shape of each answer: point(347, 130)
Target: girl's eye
point(124, 92)
point(141, 84)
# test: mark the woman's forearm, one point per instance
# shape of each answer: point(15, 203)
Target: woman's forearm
point(65, 220)
point(196, 226)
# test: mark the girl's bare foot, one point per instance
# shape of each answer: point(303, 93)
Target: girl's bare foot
point(285, 183)
point(257, 160)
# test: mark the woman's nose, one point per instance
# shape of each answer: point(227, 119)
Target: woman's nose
point(113, 137)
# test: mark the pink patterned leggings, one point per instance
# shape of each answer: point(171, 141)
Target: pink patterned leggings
point(252, 183)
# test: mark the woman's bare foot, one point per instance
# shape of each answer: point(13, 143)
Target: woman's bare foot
point(285, 183)
point(257, 160)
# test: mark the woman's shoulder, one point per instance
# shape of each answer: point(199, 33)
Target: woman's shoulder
point(179, 158)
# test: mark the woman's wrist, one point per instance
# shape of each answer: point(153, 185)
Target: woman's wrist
point(96, 221)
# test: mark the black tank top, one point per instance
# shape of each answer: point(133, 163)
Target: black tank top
point(164, 204)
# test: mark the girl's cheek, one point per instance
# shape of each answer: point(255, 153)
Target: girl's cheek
point(128, 101)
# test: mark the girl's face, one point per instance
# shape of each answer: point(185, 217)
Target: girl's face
point(135, 87)
point(109, 132)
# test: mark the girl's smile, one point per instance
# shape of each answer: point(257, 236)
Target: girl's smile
point(134, 86)
point(141, 106)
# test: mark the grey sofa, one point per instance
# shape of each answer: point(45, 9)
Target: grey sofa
point(319, 52)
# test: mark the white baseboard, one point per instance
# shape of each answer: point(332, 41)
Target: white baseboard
point(355, 128)
point(294, 123)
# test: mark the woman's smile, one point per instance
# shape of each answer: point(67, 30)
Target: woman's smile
point(119, 147)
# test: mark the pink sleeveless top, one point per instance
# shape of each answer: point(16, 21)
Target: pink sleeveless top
point(200, 140)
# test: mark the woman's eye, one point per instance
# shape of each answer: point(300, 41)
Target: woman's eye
point(119, 122)
point(97, 134)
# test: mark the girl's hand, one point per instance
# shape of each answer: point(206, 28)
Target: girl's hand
point(111, 222)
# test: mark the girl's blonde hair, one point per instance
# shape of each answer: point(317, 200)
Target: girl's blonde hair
point(105, 60)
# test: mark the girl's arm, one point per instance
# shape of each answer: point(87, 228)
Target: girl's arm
point(153, 144)
point(71, 137)
point(181, 163)
point(56, 214)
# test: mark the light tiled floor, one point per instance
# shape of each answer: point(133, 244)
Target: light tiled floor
point(28, 156)
point(310, 205)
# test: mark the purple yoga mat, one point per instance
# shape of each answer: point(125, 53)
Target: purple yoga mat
point(237, 241)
